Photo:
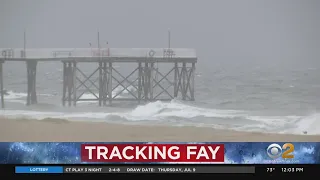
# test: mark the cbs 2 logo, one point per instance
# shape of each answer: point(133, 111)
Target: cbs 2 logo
point(275, 150)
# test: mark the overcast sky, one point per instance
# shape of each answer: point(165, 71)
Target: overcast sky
point(218, 29)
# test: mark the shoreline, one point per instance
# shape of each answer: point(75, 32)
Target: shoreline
point(60, 130)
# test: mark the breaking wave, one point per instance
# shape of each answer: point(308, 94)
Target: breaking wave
point(184, 114)
point(20, 97)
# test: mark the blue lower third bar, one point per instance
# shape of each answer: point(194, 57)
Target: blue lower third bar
point(39, 169)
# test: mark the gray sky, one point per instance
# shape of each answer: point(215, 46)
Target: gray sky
point(218, 29)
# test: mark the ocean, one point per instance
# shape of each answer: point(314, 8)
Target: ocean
point(243, 95)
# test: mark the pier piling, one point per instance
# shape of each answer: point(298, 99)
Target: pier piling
point(1, 84)
point(31, 80)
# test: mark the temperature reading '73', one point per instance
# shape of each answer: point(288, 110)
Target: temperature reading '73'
point(270, 169)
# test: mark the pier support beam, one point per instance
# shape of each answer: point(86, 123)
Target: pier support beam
point(73, 85)
point(192, 81)
point(109, 83)
point(184, 81)
point(176, 75)
point(31, 75)
point(144, 83)
point(104, 83)
point(140, 71)
point(69, 90)
point(1, 83)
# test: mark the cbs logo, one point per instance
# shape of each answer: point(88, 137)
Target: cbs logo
point(274, 151)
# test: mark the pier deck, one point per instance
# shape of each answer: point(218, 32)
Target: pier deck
point(146, 84)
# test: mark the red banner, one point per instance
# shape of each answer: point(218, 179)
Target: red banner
point(152, 153)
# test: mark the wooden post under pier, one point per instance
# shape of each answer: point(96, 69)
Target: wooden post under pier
point(192, 81)
point(69, 83)
point(1, 84)
point(110, 96)
point(176, 75)
point(64, 86)
point(104, 73)
point(101, 84)
point(31, 76)
point(139, 81)
point(74, 82)
point(105, 79)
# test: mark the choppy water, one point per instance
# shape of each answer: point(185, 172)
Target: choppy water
point(279, 97)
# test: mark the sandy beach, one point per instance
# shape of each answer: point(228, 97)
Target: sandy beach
point(59, 130)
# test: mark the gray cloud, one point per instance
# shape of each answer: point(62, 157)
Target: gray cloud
point(218, 29)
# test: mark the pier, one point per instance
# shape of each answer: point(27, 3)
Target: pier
point(145, 82)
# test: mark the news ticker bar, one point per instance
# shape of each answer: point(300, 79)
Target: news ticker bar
point(136, 169)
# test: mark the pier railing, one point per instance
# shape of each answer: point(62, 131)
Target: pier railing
point(57, 53)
